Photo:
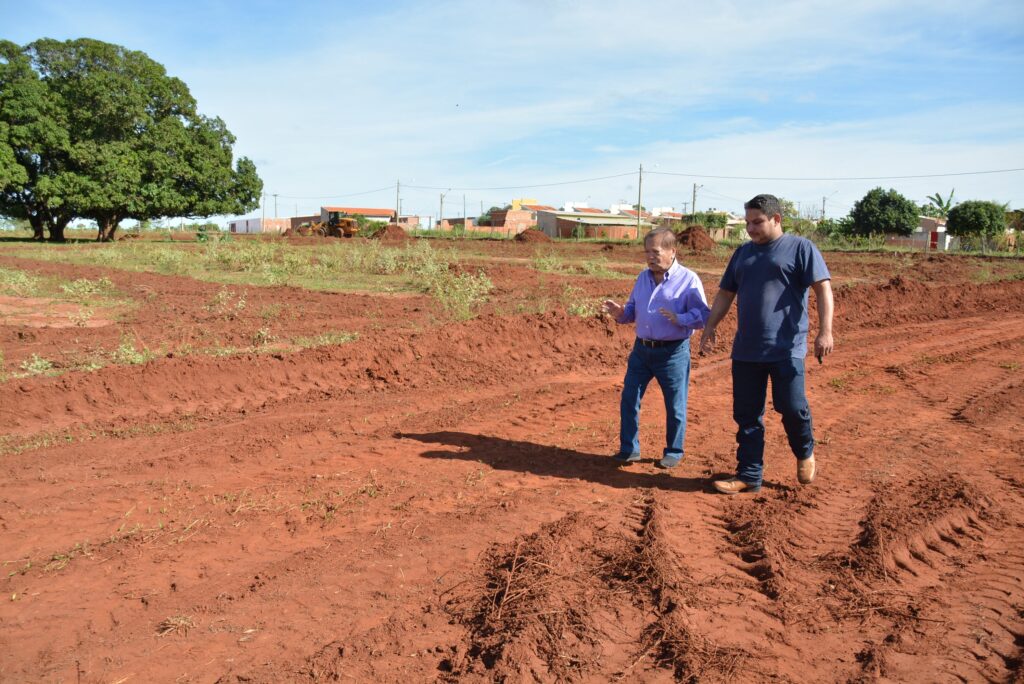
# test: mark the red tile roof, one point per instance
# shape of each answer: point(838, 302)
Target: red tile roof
point(632, 212)
point(364, 211)
point(589, 210)
point(538, 207)
point(672, 214)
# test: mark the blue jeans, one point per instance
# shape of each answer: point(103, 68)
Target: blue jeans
point(671, 366)
point(749, 386)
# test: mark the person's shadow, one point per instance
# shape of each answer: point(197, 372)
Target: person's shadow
point(540, 459)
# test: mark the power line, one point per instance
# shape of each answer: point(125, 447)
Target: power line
point(836, 178)
point(348, 194)
point(522, 187)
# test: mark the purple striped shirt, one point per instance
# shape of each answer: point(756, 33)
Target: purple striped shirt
point(680, 291)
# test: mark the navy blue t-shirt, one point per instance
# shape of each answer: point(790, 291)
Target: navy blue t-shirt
point(770, 282)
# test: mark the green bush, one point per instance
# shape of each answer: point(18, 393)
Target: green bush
point(884, 211)
point(461, 295)
point(977, 218)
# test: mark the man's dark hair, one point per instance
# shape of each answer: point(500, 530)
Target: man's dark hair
point(768, 204)
point(664, 236)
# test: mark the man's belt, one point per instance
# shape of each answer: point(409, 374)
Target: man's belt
point(654, 344)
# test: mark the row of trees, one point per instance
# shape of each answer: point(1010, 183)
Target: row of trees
point(96, 131)
point(887, 211)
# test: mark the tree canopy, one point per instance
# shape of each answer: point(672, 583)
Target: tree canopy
point(884, 211)
point(974, 217)
point(97, 131)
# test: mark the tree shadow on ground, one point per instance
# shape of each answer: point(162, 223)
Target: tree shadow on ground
point(552, 461)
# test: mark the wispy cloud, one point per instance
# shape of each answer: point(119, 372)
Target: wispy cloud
point(341, 98)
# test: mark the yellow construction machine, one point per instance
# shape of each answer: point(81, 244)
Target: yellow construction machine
point(339, 225)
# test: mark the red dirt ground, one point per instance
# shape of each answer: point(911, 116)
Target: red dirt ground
point(532, 235)
point(435, 501)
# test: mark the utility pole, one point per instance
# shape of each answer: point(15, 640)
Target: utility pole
point(398, 200)
point(263, 211)
point(440, 213)
point(694, 204)
point(275, 205)
point(464, 226)
point(823, 208)
point(639, 196)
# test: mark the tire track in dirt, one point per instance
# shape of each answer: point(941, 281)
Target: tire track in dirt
point(931, 561)
point(583, 597)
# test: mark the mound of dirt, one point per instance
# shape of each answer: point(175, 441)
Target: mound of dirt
point(391, 233)
point(532, 235)
point(696, 239)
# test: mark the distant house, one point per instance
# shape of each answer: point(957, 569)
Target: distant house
point(382, 215)
point(410, 222)
point(930, 234)
point(567, 224)
point(644, 215)
point(259, 225)
point(517, 219)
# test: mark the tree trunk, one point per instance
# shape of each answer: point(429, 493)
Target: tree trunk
point(57, 231)
point(108, 225)
point(38, 229)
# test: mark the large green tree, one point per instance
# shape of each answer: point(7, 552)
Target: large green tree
point(884, 211)
point(976, 218)
point(126, 141)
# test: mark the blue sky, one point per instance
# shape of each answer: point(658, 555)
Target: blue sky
point(334, 99)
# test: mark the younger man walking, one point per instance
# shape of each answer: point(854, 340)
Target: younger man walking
point(769, 277)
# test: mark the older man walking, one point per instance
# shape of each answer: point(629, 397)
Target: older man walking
point(769, 277)
point(668, 304)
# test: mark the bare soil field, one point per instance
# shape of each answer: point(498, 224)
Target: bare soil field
point(353, 486)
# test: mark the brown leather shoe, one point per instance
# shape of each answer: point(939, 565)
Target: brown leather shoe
point(734, 485)
point(805, 470)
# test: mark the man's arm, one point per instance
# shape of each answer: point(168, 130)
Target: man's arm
point(720, 307)
point(621, 313)
point(693, 307)
point(823, 295)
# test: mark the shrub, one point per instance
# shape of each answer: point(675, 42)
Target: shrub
point(576, 302)
point(461, 295)
point(36, 365)
point(976, 218)
point(884, 211)
point(18, 283)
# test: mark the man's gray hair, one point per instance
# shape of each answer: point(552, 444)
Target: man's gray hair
point(664, 236)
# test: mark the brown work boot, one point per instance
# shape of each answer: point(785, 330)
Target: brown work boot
point(734, 485)
point(805, 470)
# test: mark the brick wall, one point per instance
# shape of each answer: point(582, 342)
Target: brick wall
point(512, 221)
point(297, 221)
point(612, 232)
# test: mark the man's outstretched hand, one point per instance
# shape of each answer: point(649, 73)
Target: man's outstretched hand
point(614, 309)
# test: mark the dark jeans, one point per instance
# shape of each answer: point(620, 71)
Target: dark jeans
point(671, 366)
point(749, 387)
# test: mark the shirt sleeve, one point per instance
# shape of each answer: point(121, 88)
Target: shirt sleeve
point(729, 281)
point(693, 308)
point(815, 269)
point(629, 311)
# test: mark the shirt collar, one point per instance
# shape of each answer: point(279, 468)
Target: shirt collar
point(670, 273)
